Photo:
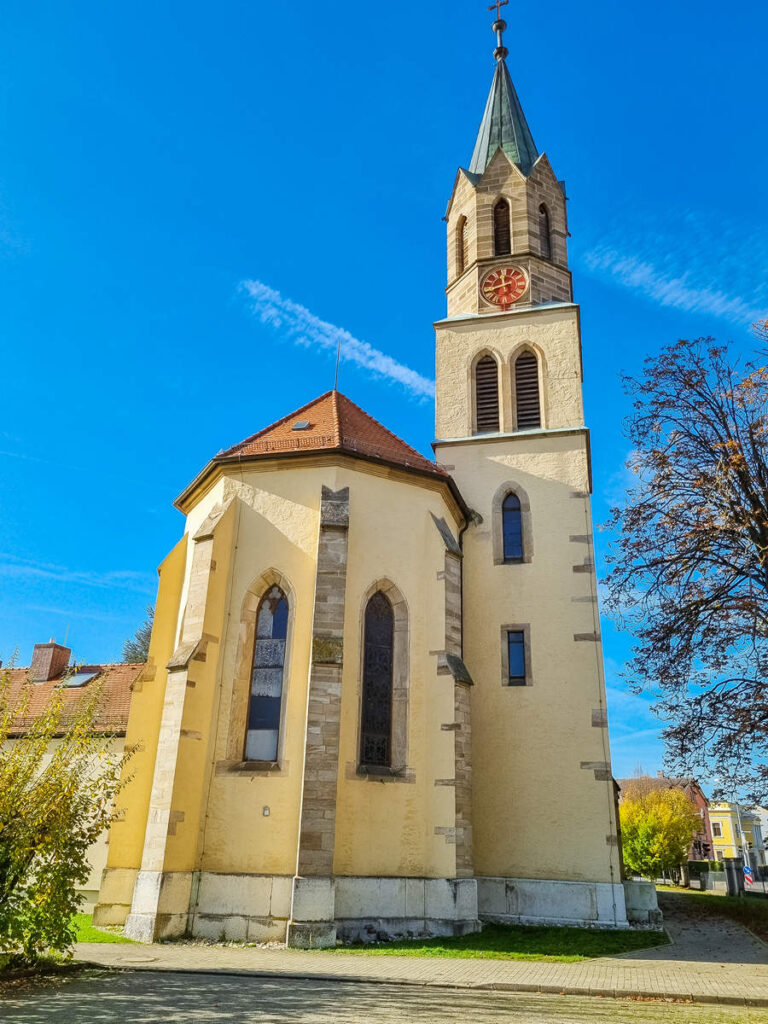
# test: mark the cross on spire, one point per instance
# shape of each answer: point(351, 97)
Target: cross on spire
point(498, 27)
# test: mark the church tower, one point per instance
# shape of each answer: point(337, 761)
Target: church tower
point(510, 430)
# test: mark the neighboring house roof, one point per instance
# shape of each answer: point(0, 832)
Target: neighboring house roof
point(650, 782)
point(116, 682)
point(330, 423)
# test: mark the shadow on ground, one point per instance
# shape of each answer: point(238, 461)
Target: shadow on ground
point(145, 997)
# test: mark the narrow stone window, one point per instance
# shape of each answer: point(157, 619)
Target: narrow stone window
point(545, 237)
point(512, 528)
point(267, 677)
point(527, 391)
point(502, 235)
point(486, 396)
point(376, 726)
point(461, 246)
point(516, 657)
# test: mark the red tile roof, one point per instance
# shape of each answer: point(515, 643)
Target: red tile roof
point(335, 424)
point(116, 681)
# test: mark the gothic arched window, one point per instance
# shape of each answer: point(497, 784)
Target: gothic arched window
point(527, 391)
point(545, 238)
point(502, 235)
point(461, 246)
point(267, 677)
point(512, 528)
point(378, 646)
point(486, 396)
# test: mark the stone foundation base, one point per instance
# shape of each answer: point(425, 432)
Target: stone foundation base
point(642, 905)
point(311, 912)
point(551, 902)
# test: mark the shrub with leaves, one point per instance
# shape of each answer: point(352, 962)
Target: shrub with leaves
point(657, 830)
point(59, 776)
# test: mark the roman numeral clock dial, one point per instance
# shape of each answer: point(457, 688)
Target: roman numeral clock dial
point(504, 286)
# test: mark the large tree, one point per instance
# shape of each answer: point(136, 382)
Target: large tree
point(657, 829)
point(689, 563)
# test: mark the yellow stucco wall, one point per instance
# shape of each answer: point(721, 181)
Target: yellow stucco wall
point(540, 811)
point(275, 527)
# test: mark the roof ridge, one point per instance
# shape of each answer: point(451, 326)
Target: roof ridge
point(387, 431)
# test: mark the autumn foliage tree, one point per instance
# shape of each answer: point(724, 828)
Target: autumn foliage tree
point(689, 565)
point(59, 777)
point(657, 829)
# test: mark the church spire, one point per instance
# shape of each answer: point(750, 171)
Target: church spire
point(503, 123)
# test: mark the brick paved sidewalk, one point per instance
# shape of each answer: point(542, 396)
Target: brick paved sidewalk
point(645, 975)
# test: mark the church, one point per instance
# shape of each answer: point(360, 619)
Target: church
point(374, 704)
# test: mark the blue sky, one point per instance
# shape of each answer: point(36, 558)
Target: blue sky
point(157, 156)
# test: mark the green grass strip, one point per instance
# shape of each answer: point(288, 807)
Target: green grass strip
point(520, 942)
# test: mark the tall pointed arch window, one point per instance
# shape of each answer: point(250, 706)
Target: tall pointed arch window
point(376, 724)
point(545, 236)
point(265, 702)
point(486, 396)
point(527, 403)
point(462, 246)
point(502, 233)
point(512, 528)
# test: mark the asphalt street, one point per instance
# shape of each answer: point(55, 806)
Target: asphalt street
point(145, 997)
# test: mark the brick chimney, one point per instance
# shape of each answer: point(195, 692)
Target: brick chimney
point(49, 661)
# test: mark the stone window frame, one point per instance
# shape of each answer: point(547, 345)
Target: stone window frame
point(497, 523)
point(525, 629)
point(471, 367)
point(241, 682)
point(400, 683)
point(518, 350)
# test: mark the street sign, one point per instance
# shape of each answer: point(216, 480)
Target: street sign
point(749, 878)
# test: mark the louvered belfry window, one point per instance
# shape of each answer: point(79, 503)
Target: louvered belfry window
point(545, 240)
point(502, 235)
point(527, 391)
point(267, 677)
point(462, 245)
point(376, 726)
point(486, 395)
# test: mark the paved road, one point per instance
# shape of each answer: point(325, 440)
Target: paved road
point(144, 997)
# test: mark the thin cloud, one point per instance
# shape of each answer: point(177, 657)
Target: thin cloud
point(74, 614)
point(297, 324)
point(13, 567)
point(675, 261)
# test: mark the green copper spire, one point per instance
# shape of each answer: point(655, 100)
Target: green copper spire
point(503, 123)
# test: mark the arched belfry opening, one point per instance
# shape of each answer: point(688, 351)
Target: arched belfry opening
point(527, 400)
point(545, 233)
point(502, 232)
point(462, 246)
point(486, 395)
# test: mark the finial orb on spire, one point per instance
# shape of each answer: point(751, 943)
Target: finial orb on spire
point(499, 26)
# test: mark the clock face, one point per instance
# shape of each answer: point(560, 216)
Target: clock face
point(503, 286)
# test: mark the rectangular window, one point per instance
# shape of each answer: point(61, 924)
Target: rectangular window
point(719, 855)
point(516, 657)
point(717, 830)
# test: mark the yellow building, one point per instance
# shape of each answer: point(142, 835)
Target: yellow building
point(737, 832)
point(374, 703)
